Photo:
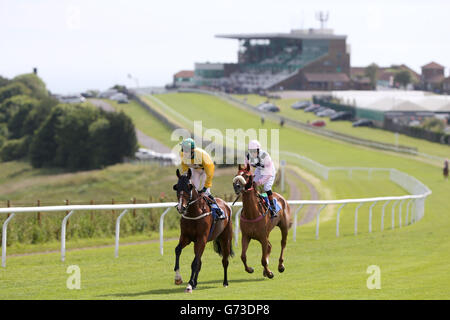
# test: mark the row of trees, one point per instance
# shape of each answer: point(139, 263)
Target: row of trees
point(401, 75)
point(35, 126)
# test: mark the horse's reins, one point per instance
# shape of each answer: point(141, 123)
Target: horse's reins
point(191, 202)
point(236, 199)
point(196, 218)
point(260, 197)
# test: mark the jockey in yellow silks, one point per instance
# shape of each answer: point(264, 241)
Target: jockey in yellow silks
point(202, 168)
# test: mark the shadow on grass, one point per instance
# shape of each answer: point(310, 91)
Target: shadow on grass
point(178, 289)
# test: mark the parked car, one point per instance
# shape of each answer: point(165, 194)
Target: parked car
point(150, 155)
point(270, 107)
point(342, 115)
point(318, 123)
point(320, 109)
point(363, 123)
point(312, 108)
point(301, 105)
point(326, 113)
point(119, 97)
point(72, 99)
point(108, 93)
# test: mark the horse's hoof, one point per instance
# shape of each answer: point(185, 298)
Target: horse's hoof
point(281, 268)
point(268, 274)
point(225, 285)
point(250, 270)
point(178, 281)
point(188, 289)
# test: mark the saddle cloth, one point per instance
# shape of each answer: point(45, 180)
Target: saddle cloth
point(266, 200)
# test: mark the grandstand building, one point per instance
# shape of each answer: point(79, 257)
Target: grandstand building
point(312, 59)
point(183, 79)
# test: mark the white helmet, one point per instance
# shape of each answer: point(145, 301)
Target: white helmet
point(254, 144)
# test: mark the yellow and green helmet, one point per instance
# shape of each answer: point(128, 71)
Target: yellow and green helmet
point(187, 144)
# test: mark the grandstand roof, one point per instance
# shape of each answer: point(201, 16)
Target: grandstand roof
point(294, 34)
point(184, 74)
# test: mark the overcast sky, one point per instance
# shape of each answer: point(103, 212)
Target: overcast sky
point(77, 45)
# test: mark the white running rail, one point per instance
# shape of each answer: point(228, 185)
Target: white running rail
point(418, 191)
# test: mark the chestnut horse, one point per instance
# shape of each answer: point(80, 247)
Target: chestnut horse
point(197, 226)
point(256, 222)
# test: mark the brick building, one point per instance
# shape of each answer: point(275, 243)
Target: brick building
point(432, 77)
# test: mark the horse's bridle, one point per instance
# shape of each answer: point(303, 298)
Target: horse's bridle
point(184, 209)
point(241, 179)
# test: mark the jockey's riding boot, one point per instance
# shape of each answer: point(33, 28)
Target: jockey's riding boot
point(217, 210)
point(273, 210)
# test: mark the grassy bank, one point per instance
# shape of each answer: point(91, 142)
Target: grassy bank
point(345, 127)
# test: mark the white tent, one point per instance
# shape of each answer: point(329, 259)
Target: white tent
point(395, 100)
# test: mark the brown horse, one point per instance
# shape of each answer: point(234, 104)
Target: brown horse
point(197, 226)
point(256, 223)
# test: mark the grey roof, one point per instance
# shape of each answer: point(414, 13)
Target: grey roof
point(294, 34)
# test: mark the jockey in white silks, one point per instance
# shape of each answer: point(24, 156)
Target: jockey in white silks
point(264, 170)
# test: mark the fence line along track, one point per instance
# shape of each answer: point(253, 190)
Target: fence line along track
point(418, 193)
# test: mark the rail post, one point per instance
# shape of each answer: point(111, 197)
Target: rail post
point(370, 216)
point(356, 217)
point(39, 214)
point(116, 251)
point(4, 234)
point(295, 222)
point(92, 212)
point(338, 218)
point(318, 220)
point(414, 213)
point(67, 203)
point(382, 214)
point(161, 231)
point(63, 235)
point(407, 211)
point(134, 210)
point(400, 213)
point(393, 214)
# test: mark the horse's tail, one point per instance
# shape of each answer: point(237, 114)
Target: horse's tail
point(218, 248)
point(288, 213)
point(216, 243)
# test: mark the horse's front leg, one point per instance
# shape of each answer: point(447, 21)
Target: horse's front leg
point(245, 242)
point(266, 248)
point(196, 265)
point(181, 244)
